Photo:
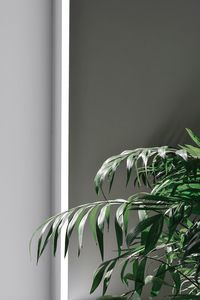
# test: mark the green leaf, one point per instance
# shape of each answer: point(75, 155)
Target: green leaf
point(120, 215)
point(135, 267)
point(66, 241)
point(129, 276)
point(75, 219)
point(126, 219)
point(102, 216)
point(157, 284)
point(144, 155)
point(119, 236)
point(100, 228)
point(154, 234)
point(123, 271)
point(108, 170)
point(140, 227)
point(129, 166)
point(108, 217)
point(139, 280)
point(55, 234)
point(56, 229)
point(177, 280)
point(42, 229)
point(100, 240)
point(137, 172)
point(92, 220)
point(81, 230)
point(108, 275)
point(193, 137)
point(194, 151)
point(98, 275)
point(182, 153)
point(121, 224)
point(49, 234)
point(112, 171)
point(175, 216)
point(162, 151)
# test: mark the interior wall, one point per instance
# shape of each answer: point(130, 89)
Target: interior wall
point(25, 147)
point(56, 134)
point(134, 72)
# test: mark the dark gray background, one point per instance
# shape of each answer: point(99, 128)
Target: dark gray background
point(134, 81)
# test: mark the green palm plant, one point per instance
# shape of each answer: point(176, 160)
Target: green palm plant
point(168, 230)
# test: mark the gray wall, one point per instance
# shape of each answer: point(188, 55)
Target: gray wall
point(25, 148)
point(134, 81)
point(56, 134)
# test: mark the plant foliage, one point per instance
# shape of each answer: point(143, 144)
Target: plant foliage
point(168, 231)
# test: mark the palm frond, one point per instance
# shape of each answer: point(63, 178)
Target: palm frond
point(152, 162)
point(168, 230)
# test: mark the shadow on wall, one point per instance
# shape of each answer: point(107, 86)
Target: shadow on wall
point(184, 114)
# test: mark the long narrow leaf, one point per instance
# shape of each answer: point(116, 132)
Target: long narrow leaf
point(139, 280)
point(154, 234)
point(193, 136)
point(119, 235)
point(160, 274)
point(81, 230)
point(98, 275)
point(108, 275)
point(140, 227)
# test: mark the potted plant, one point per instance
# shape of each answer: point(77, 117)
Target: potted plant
point(168, 230)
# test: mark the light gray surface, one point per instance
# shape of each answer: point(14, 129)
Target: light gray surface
point(56, 134)
point(134, 82)
point(25, 130)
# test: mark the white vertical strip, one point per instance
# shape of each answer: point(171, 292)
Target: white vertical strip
point(64, 136)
